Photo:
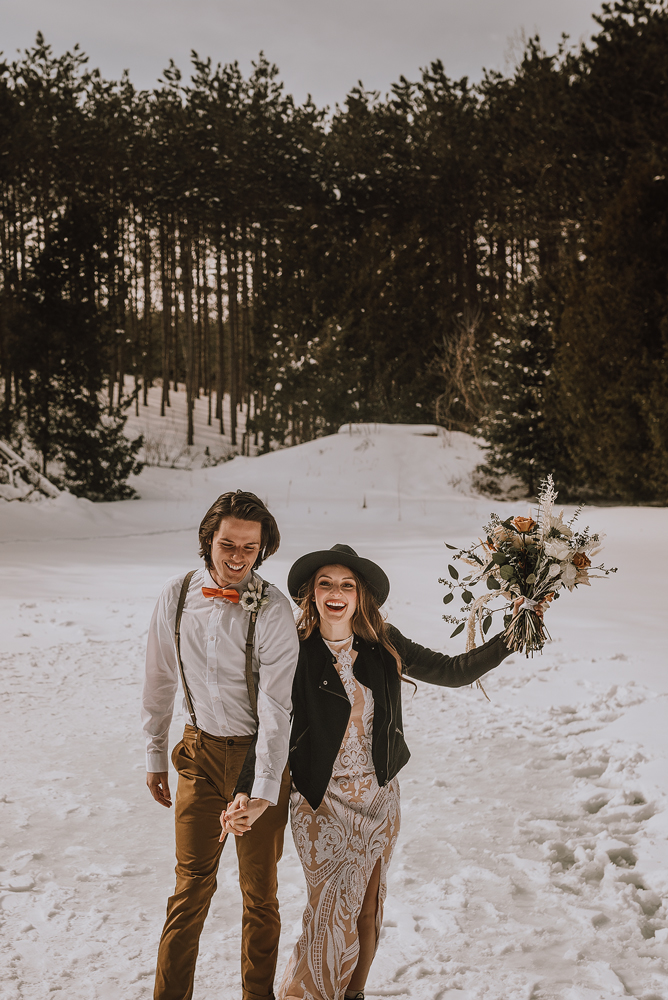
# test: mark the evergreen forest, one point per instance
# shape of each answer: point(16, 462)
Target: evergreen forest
point(490, 257)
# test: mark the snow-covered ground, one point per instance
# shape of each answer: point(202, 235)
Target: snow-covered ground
point(533, 858)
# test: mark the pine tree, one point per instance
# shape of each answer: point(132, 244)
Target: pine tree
point(519, 424)
point(96, 456)
point(62, 358)
point(611, 364)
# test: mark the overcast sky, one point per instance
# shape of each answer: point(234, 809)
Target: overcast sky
point(322, 47)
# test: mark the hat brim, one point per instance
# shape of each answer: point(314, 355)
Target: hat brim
point(304, 568)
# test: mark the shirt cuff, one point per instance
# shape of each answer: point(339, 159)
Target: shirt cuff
point(266, 788)
point(157, 762)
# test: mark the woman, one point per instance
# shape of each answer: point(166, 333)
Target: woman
point(346, 749)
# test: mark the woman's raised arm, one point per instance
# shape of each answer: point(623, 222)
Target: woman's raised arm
point(425, 664)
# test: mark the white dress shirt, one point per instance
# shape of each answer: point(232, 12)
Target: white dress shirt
point(213, 651)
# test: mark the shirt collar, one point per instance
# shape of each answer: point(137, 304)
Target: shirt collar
point(239, 587)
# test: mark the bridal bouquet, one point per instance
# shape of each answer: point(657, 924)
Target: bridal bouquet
point(523, 557)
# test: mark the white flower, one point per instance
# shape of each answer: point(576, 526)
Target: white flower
point(560, 525)
point(254, 597)
point(554, 570)
point(557, 549)
point(568, 573)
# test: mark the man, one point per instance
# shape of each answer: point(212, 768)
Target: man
point(226, 729)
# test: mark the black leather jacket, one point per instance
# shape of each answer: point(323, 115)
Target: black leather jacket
point(321, 710)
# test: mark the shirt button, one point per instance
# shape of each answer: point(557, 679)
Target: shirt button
point(324, 683)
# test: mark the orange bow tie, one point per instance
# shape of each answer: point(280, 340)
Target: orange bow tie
point(229, 595)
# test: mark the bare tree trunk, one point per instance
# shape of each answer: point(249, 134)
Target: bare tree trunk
point(199, 327)
point(233, 314)
point(187, 286)
point(175, 339)
point(206, 326)
point(166, 315)
point(245, 326)
point(146, 275)
point(221, 339)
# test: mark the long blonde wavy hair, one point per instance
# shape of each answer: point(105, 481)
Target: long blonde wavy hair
point(367, 621)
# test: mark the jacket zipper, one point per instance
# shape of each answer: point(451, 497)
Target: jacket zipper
point(296, 743)
point(336, 694)
point(389, 728)
point(323, 686)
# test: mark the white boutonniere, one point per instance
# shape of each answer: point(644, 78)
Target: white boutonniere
point(255, 596)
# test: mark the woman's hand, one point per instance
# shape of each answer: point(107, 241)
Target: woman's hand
point(239, 817)
point(540, 608)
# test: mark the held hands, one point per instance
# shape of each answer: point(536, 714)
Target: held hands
point(158, 786)
point(239, 817)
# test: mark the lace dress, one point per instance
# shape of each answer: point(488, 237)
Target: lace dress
point(339, 844)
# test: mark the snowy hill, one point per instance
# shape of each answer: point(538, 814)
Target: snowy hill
point(533, 859)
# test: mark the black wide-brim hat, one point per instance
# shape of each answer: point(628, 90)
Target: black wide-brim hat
point(339, 555)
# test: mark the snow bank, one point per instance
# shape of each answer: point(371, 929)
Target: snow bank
point(533, 859)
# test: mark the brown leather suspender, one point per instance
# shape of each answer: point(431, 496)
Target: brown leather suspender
point(250, 680)
point(177, 640)
point(250, 637)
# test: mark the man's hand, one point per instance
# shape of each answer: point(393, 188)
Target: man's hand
point(240, 816)
point(158, 786)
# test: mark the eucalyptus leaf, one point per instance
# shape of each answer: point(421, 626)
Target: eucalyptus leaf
point(486, 623)
point(453, 572)
point(460, 628)
point(448, 597)
point(467, 596)
point(448, 546)
point(531, 578)
point(507, 572)
point(493, 584)
point(499, 559)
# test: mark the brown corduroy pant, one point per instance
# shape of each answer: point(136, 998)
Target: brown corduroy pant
point(208, 768)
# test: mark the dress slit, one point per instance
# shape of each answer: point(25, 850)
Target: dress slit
point(339, 845)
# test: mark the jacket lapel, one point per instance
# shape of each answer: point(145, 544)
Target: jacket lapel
point(329, 680)
point(369, 670)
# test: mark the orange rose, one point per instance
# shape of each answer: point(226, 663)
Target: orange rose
point(524, 524)
point(581, 561)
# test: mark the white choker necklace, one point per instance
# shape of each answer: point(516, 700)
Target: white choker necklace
point(343, 655)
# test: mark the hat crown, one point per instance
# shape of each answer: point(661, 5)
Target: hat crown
point(304, 568)
point(344, 548)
